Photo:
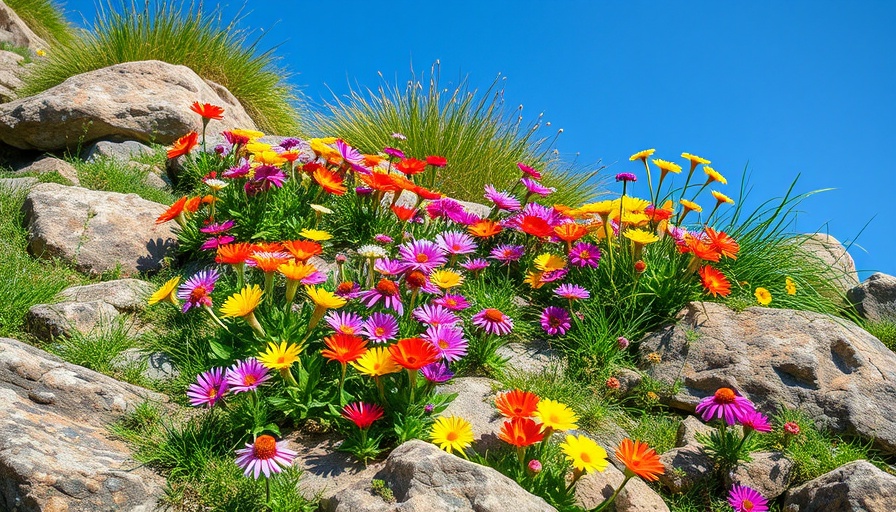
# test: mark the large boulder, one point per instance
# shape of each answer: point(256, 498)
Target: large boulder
point(595, 488)
point(96, 231)
point(856, 487)
point(12, 68)
point(15, 32)
point(125, 295)
point(48, 321)
point(841, 267)
point(475, 402)
point(326, 471)
point(56, 453)
point(423, 478)
point(769, 473)
point(47, 164)
point(875, 298)
point(843, 377)
point(147, 101)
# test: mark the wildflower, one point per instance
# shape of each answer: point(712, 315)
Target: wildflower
point(640, 460)
point(436, 161)
point(529, 171)
point(454, 242)
point(626, 177)
point(502, 200)
point(622, 342)
point(571, 292)
point(448, 340)
point(399, 136)
point(640, 236)
point(422, 255)
point(411, 166)
point(555, 320)
point(452, 433)
point(641, 155)
point(763, 296)
point(475, 265)
point(210, 387)
point(246, 375)
point(493, 321)
point(266, 176)
point(167, 292)
point(484, 228)
point(724, 404)
point(666, 167)
point(323, 300)
point(372, 251)
point(612, 383)
point(755, 420)
point(745, 499)
point(722, 243)
point(721, 198)
point(695, 160)
point(791, 428)
point(517, 404)
point(280, 357)
point(242, 304)
point(640, 266)
point(547, 262)
point(534, 187)
point(343, 322)
point(197, 290)
point(507, 253)
point(266, 455)
point(380, 327)
point(452, 302)
point(315, 234)
point(654, 358)
point(713, 175)
point(790, 286)
point(362, 414)
point(555, 416)
point(585, 455)
point(208, 111)
point(446, 279)
point(344, 348)
point(570, 232)
point(520, 432)
point(175, 211)
point(388, 292)
point(714, 281)
point(413, 353)
point(428, 408)
point(534, 466)
point(689, 206)
point(437, 373)
point(183, 145)
point(376, 362)
point(403, 213)
point(584, 254)
point(535, 226)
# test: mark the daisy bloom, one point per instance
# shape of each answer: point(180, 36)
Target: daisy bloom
point(303, 250)
point(208, 111)
point(721, 198)
point(763, 296)
point(571, 292)
point(455, 242)
point(197, 290)
point(713, 175)
point(437, 373)
point(535, 226)
point(714, 281)
point(475, 265)
point(380, 327)
point(516, 403)
point(246, 375)
point(436, 161)
point(413, 353)
point(265, 455)
point(315, 234)
point(640, 236)
point(529, 171)
point(789, 285)
point(493, 321)
point(167, 292)
point(641, 155)
point(745, 499)
point(403, 213)
point(755, 420)
point(385, 290)
point(448, 340)
point(452, 302)
point(555, 416)
point(585, 455)
point(422, 255)
point(446, 279)
point(183, 145)
point(534, 187)
point(584, 254)
point(507, 253)
point(344, 323)
point(323, 300)
point(640, 460)
point(520, 432)
point(344, 348)
point(502, 200)
point(484, 228)
point(791, 428)
point(722, 243)
point(376, 362)
point(411, 166)
point(666, 167)
point(175, 211)
point(548, 262)
point(210, 387)
point(242, 304)
point(362, 414)
point(689, 206)
point(695, 160)
point(724, 404)
point(452, 433)
point(372, 251)
point(555, 320)
point(280, 357)
point(570, 232)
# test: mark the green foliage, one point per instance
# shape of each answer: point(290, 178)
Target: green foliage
point(45, 18)
point(658, 430)
point(113, 175)
point(381, 489)
point(22, 51)
point(474, 130)
point(189, 36)
point(99, 349)
point(883, 330)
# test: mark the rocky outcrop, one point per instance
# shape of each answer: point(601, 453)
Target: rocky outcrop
point(96, 231)
point(122, 151)
point(685, 467)
point(856, 487)
point(475, 403)
point(48, 164)
point(595, 488)
point(146, 101)
point(15, 32)
point(770, 473)
point(841, 267)
point(875, 298)
point(535, 357)
point(840, 375)
point(125, 295)
point(326, 472)
point(12, 69)
point(423, 478)
point(55, 450)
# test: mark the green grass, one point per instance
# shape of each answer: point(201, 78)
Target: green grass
point(25, 53)
point(189, 36)
point(479, 135)
point(45, 18)
point(885, 331)
point(116, 176)
point(99, 349)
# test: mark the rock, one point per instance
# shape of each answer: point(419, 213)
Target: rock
point(426, 479)
point(688, 430)
point(158, 365)
point(48, 321)
point(856, 487)
point(12, 68)
point(535, 357)
point(475, 403)
point(47, 164)
point(15, 32)
point(146, 101)
point(841, 376)
point(14, 185)
point(875, 298)
point(831, 252)
point(55, 449)
point(769, 473)
point(122, 294)
point(628, 379)
point(685, 467)
point(96, 231)
point(595, 488)
point(155, 181)
point(126, 150)
point(326, 471)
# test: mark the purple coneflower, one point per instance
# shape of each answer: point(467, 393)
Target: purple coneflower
point(437, 372)
point(745, 499)
point(626, 176)
point(422, 255)
point(246, 375)
point(454, 242)
point(535, 187)
point(584, 254)
point(452, 302)
point(475, 266)
point(571, 292)
point(216, 228)
point(344, 322)
point(380, 327)
point(197, 290)
point(507, 253)
point(267, 176)
point(448, 340)
point(210, 387)
point(726, 404)
point(385, 290)
point(442, 207)
point(433, 314)
point(555, 320)
point(502, 200)
point(493, 321)
point(265, 455)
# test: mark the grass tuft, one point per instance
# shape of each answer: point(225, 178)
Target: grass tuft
point(45, 18)
point(885, 331)
point(113, 175)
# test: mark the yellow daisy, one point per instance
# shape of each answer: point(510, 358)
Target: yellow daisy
point(258, 147)
point(641, 155)
point(446, 279)
point(376, 362)
point(790, 286)
point(166, 292)
point(713, 175)
point(721, 198)
point(548, 262)
point(695, 160)
point(279, 357)
point(555, 415)
point(249, 134)
point(640, 236)
point(586, 455)
point(691, 206)
point(269, 158)
point(452, 433)
point(315, 234)
point(243, 302)
point(324, 298)
point(763, 296)
point(666, 166)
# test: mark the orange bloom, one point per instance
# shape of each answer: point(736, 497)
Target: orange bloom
point(714, 281)
point(570, 232)
point(267, 247)
point(516, 404)
point(329, 181)
point(296, 271)
point(372, 160)
point(413, 353)
point(640, 459)
point(402, 183)
point(378, 181)
point(302, 250)
point(535, 226)
point(404, 214)
point(521, 432)
point(267, 262)
point(484, 228)
point(411, 166)
point(344, 348)
point(192, 205)
point(207, 111)
point(173, 211)
point(233, 254)
point(183, 145)
point(699, 248)
point(722, 243)
point(425, 193)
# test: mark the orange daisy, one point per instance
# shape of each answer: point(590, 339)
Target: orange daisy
point(411, 166)
point(535, 226)
point(521, 432)
point(516, 403)
point(329, 181)
point(714, 281)
point(174, 211)
point(378, 181)
point(484, 228)
point(344, 348)
point(722, 243)
point(570, 232)
point(414, 353)
point(403, 213)
point(233, 254)
point(302, 250)
point(640, 460)
point(208, 111)
point(267, 262)
point(267, 247)
point(183, 145)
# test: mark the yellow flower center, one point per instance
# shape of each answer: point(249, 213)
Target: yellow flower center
point(347, 329)
point(443, 344)
point(584, 254)
point(422, 258)
point(379, 331)
point(212, 392)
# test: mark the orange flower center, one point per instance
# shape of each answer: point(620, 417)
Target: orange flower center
point(443, 344)
point(197, 293)
point(725, 396)
point(212, 392)
point(554, 322)
point(379, 331)
point(450, 302)
point(494, 315)
point(584, 254)
point(347, 329)
point(386, 287)
point(248, 380)
point(410, 360)
point(281, 359)
point(265, 447)
point(746, 505)
point(451, 436)
point(416, 279)
point(422, 258)
point(585, 458)
point(345, 287)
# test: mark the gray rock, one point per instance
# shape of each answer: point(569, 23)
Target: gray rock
point(56, 453)
point(158, 366)
point(688, 430)
point(155, 181)
point(628, 379)
point(875, 298)
point(535, 357)
point(14, 185)
point(842, 268)
point(96, 231)
point(326, 471)
point(840, 375)
point(12, 68)
point(685, 467)
point(475, 403)
point(146, 101)
point(770, 473)
point(48, 321)
point(856, 487)
point(426, 479)
point(47, 164)
point(122, 294)
point(595, 488)
point(16, 32)
point(115, 150)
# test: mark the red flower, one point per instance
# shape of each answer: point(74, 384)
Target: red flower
point(344, 348)
point(411, 166)
point(714, 281)
point(414, 353)
point(208, 111)
point(437, 161)
point(427, 194)
point(361, 414)
point(521, 432)
point(183, 145)
point(171, 213)
point(535, 226)
point(403, 213)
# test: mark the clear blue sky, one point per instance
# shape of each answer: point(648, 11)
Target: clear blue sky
point(784, 88)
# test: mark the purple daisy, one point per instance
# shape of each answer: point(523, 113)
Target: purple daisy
point(210, 387)
point(216, 228)
point(555, 320)
point(238, 171)
point(493, 321)
point(389, 267)
point(394, 152)
point(452, 302)
point(454, 242)
point(215, 242)
point(422, 255)
point(385, 290)
point(746, 499)
point(246, 375)
point(506, 253)
point(626, 176)
point(463, 217)
point(265, 455)
point(267, 176)
point(584, 254)
point(348, 290)
point(755, 420)
point(433, 314)
point(537, 188)
point(725, 404)
point(344, 322)
point(502, 200)
point(572, 292)
point(380, 327)
point(316, 277)
point(448, 340)
point(437, 372)
point(554, 275)
point(348, 153)
point(442, 207)
point(289, 143)
point(475, 265)
point(197, 290)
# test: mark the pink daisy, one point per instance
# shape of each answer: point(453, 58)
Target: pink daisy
point(726, 404)
point(210, 387)
point(433, 314)
point(422, 255)
point(265, 455)
point(535, 187)
point(755, 420)
point(389, 267)
point(475, 265)
point(216, 228)
point(344, 322)
point(448, 340)
point(745, 499)
point(529, 171)
point(380, 327)
point(437, 372)
point(452, 302)
point(584, 254)
point(555, 320)
point(502, 200)
point(571, 292)
point(246, 375)
point(507, 253)
point(493, 321)
point(454, 242)
point(197, 290)
point(215, 242)
point(385, 290)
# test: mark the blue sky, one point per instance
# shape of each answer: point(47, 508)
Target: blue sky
point(780, 88)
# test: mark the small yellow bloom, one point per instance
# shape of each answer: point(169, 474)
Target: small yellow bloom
point(548, 262)
point(695, 159)
point(602, 208)
point(452, 433)
point(324, 298)
point(533, 279)
point(721, 198)
point(641, 155)
point(633, 204)
point(258, 147)
point(242, 302)
point(667, 167)
point(315, 234)
point(691, 206)
point(790, 286)
point(296, 271)
point(586, 455)
point(446, 279)
point(763, 296)
point(555, 415)
point(41, 52)
point(640, 236)
point(269, 158)
point(166, 292)
point(376, 362)
point(279, 357)
point(654, 358)
point(249, 134)
point(713, 175)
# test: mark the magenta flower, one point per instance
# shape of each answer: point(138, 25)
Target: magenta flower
point(555, 320)
point(493, 321)
point(452, 302)
point(584, 254)
point(380, 327)
point(442, 207)
point(507, 253)
point(535, 187)
point(316, 277)
point(453, 242)
point(385, 290)
point(571, 292)
point(437, 372)
point(502, 200)
point(197, 290)
point(289, 143)
point(622, 342)
point(755, 420)
point(463, 217)
point(422, 255)
point(240, 171)
point(530, 171)
point(216, 228)
point(383, 238)
point(475, 265)
point(726, 404)
point(267, 176)
point(389, 267)
point(210, 387)
point(626, 176)
point(448, 340)
point(348, 290)
point(344, 322)
point(348, 153)
point(433, 314)
point(216, 241)
point(394, 152)
point(744, 499)
point(554, 275)
point(246, 375)
point(265, 455)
